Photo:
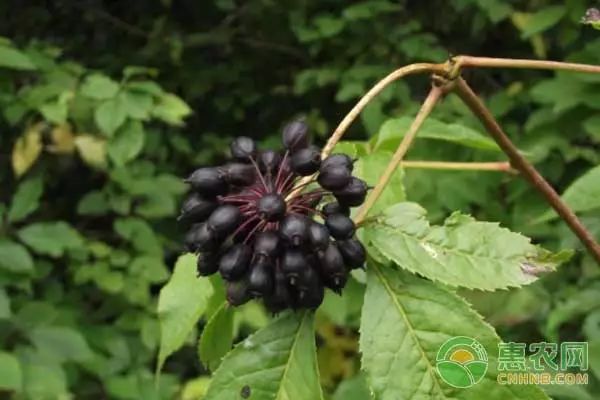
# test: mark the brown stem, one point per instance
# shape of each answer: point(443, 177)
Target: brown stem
point(435, 94)
point(487, 62)
point(525, 168)
point(500, 166)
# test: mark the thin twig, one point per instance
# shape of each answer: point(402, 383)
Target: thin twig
point(364, 101)
point(434, 95)
point(525, 168)
point(487, 62)
point(500, 166)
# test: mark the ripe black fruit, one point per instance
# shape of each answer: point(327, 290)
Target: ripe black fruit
point(294, 229)
point(353, 252)
point(196, 208)
point(281, 297)
point(332, 268)
point(242, 148)
point(239, 174)
point(338, 160)
point(271, 207)
point(207, 264)
point(295, 135)
point(311, 298)
point(237, 293)
point(200, 238)
point(260, 279)
point(318, 236)
point(269, 161)
point(334, 178)
point(234, 263)
point(335, 208)
point(306, 161)
point(224, 220)
point(340, 226)
point(307, 278)
point(266, 244)
point(207, 181)
point(293, 264)
point(353, 194)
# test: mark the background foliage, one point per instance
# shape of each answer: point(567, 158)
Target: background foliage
point(97, 127)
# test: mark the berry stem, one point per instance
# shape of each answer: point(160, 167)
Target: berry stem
point(434, 96)
point(244, 225)
point(281, 164)
point(260, 175)
point(501, 166)
point(253, 231)
point(488, 62)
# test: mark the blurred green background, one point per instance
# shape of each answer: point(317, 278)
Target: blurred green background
point(105, 105)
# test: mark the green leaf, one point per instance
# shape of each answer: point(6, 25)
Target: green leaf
point(140, 234)
point(543, 20)
point(93, 203)
point(110, 115)
point(217, 337)
point(370, 168)
point(582, 195)
point(50, 238)
point(61, 343)
point(5, 312)
point(55, 111)
point(462, 252)
point(137, 105)
point(171, 109)
point(15, 59)
point(11, 377)
point(392, 131)
point(181, 302)
point(99, 87)
point(276, 363)
point(14, 257)
point(26, 199)
point(127, 143)
point(44, 381)
point(405, 320)
point(576, 304)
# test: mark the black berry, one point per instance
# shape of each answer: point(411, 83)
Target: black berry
point(238, 174)
point(340, 226)
point(335, 208)
point(338, 160)
point(196, 208)
point(207, 181)
point(306, 161)
point(295, 135)
point(293, 264)
point(353, 194)
point(234, 262)
point(242, 148)
point(271, 207)
point(332, 268)
point(269, 160)
point(318, 235)
point(224, 220)
point(294, 229)
point(334, 178)
point(237, 293)
point(353, 253)
point(266, 244)
point(260, 279)
point(207, 264)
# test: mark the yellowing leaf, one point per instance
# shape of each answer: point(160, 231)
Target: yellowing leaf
point(27, 149)
point(63, 140)
point(92, 150)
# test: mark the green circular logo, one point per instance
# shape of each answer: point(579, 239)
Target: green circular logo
point(461, 362)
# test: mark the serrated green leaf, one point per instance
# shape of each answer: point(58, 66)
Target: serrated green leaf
point(181, 302)
point(14, 257)
point(217, 337)
point(370, 168)
point(582, 195)
point(462, 252)
point(276, 363)
point(99, 87)
point(26, 199)
point(15, 59)
point(171, 109)
point(137, 105)
point(405, 320)
point(51, 238)
point(110, 115)
point(61, 343)
point(126, 143)
point(11, 376)
point(393, 130)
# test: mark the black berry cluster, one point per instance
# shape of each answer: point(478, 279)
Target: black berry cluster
point(258, 227)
